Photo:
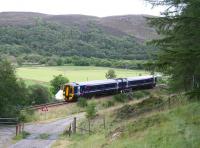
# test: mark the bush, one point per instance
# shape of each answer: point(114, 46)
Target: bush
point(110, 74)
point(82, 102)
point(27, 116)
point(108, 103)
point(51, 62)
point(121, 97)
point(60, 62)
point(125, 111)
point(91, 111)
point(21, 136)
point(57, 82)
point(38, 94)
point(140, 94)
point(44, 136)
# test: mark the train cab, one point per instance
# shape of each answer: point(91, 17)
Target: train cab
point(69, 91)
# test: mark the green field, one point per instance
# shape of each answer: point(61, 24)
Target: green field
point(73, 73)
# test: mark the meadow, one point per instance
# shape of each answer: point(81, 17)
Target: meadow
point(45, 74)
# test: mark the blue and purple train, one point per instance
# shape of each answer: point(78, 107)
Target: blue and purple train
point(72, 91)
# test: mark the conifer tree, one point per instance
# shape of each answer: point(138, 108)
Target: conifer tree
point(179, 54)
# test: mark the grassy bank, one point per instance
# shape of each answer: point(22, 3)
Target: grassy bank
point(177, 126)
point(73, 108)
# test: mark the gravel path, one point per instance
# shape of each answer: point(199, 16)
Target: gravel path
point(6, 134)
point(52, 130)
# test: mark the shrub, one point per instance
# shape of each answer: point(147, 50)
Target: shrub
point(82, 102)
point(91, 111)
point(110, 74)
point(51, 62)
point(125, 111)
point(121, 97)
point(39, 94)
point(27, 116)
point(57, 82)
point(140, 94)
point(108, 103)
point(44, 136)
point(21, 136)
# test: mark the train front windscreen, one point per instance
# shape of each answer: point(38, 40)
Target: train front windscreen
point(69, 93)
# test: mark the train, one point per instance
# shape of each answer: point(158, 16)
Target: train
point(70, 92)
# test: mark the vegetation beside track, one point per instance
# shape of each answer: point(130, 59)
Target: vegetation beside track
point(20, 136)
point(176, 125)
point(55, 112)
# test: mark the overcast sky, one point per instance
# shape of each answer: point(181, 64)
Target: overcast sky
point(99, 8)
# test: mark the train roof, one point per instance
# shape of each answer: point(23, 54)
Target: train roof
point(140, 77)
point(96, 82)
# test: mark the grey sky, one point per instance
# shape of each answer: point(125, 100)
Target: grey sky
point(88, 7)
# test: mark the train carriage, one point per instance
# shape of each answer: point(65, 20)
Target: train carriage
point(71, 91)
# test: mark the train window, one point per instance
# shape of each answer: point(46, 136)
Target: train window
point(75, 89)
point(81, 89)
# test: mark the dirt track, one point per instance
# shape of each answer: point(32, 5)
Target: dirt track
point(6, 134)
point(52, 129)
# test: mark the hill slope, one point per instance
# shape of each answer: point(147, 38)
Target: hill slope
point(28, 37)
point(178, 127)
point(134, 25)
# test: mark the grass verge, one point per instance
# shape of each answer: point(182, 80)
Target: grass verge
point(21, 136)
point(177, 126)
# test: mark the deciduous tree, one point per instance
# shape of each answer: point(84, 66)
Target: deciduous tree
point(57, 82)
point(110, 74)
point(13, 92)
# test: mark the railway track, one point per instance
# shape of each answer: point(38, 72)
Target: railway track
point(54, 104)
point(47, 105)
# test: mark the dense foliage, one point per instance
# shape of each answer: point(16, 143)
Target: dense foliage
point(91, 111)
point(13, 92)
point(179, 55)
point(36, 59)
point(49, 39)
point(38, 94)
point(82, 102)
point(110, 74)
point(57, 82)
point(14, 95)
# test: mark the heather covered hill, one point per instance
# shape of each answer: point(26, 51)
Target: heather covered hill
point(28, 37)
point(134, 25)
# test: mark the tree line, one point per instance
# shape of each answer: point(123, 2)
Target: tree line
point(49, 39)
point(34, 59)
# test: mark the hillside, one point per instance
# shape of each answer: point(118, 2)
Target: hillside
point(27, 37)
point(147, 123)
point(45, 39)
point(134, 25)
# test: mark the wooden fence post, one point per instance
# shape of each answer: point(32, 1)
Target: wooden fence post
point(169, 101)
point(89, 125)
point(104, 122)
point(17, 128)
point(70, 130)
point(23, 127)
point(74, 125)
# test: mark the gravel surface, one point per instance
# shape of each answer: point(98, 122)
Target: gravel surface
point(6, 134)
point(51, 130)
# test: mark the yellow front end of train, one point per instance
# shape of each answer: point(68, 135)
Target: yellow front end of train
point(68, 93)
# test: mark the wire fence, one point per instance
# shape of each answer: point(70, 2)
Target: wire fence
point(13, 122)
point(100, 124)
